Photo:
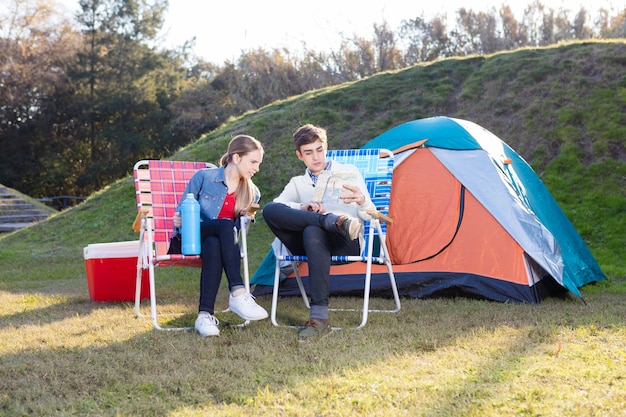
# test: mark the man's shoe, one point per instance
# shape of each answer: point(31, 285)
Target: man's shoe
point(349, 226)
point(206, 325)
point(245, 307)
point(314, 328)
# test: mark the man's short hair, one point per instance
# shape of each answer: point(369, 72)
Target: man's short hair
point(308, 134)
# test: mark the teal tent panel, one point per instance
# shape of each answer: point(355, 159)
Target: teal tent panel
point(580, 267)
point(441, 132)
point(264, 275)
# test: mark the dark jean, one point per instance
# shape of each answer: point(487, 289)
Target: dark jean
point(314, 235)
point(220, 249)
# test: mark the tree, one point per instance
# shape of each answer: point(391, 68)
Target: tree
point(388, 55)
point(611, 26)
point(36, 45)
point(124, 88)
point(425, 41)
point(467, 35)
point(207, 100)
point(580, 30)
point(514, 34)
point(77, 109)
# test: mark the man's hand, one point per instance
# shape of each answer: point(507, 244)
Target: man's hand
point(314, 206)
point(354, 196)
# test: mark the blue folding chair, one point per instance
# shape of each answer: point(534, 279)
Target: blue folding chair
point(376, 167)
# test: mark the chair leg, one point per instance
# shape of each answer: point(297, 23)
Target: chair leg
point(138, 287)
point(366, 292)
point(305, 298)
point(366, 295)
point(368, 278)
point(392, 277)
point(141, 260)
point(275, 294)
point(146, 259)
point(275, 297)
point(153, 306)
point(153, 303)
point(394, 287)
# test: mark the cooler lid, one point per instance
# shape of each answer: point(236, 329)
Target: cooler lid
point(128, 249)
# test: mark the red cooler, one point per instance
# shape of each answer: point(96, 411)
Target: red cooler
point(112, 271)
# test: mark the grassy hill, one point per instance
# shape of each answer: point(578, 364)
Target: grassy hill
point(562, 108)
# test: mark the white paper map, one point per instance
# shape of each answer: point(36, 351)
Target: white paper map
point(329, 188)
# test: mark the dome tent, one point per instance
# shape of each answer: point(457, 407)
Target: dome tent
point(471, 218)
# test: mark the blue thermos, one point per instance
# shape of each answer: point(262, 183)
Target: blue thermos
point(190, 213)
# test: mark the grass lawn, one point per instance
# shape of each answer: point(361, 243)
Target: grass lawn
point(63, 354)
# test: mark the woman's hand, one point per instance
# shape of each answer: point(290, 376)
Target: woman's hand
point(251, 210)
point(177, 220)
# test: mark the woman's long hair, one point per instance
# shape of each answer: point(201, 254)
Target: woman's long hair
point(241, 145)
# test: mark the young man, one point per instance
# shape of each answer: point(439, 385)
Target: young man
point(314, 229)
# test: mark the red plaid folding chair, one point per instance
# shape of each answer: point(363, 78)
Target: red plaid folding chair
point(158, 186)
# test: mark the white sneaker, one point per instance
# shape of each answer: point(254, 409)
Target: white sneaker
point(206, 325)
point(245, 307)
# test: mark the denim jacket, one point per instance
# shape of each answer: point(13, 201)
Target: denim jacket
point(210, 189)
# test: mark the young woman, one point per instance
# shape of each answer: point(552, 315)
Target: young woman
point(224, 194)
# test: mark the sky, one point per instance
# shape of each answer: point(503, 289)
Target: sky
point(223, 29)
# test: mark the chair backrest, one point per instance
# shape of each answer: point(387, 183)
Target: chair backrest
point(376, 167)
point(159, 185)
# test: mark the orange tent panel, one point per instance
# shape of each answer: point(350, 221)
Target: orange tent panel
point(428, 222)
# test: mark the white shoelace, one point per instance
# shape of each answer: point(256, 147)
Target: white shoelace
point(211, 318)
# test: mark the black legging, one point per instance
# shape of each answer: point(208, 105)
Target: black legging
point(220, 249)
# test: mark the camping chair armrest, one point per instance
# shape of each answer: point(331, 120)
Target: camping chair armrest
point(380, 216)
point(140, 215)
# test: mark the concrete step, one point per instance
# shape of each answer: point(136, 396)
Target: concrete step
point(23, 218)
point(20, 205)
point(10, 199)
point(11, 227)
point(18, 212)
